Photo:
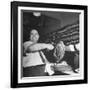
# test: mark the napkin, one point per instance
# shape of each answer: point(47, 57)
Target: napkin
point(48, 69)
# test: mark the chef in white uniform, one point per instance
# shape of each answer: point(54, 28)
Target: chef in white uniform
point(34, 62)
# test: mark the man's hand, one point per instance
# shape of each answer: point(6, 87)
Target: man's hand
point(50, 46)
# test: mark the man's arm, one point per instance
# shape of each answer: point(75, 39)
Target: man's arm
point(39, 46)
point(69, 48)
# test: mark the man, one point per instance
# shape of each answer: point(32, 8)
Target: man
point(34, 61)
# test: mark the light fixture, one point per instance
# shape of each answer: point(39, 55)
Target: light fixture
point(37, 14)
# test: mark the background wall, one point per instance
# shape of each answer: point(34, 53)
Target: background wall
point(47, 22)
point(5, 46)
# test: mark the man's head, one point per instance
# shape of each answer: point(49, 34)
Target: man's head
point(34, 35)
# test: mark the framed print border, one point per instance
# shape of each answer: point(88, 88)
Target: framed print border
point(15, 40)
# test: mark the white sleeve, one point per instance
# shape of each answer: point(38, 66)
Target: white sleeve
point(71, 47)
point(78, 46)
point(26, 45)
point(40, 46)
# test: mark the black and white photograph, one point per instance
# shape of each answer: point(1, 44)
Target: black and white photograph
point(50, 44)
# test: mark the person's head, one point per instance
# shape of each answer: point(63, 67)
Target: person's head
point(61, 42)
point(34, 35)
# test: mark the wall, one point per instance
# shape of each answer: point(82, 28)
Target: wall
point(5, 46)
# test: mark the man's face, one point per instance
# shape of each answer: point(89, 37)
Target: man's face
point(34, 36)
